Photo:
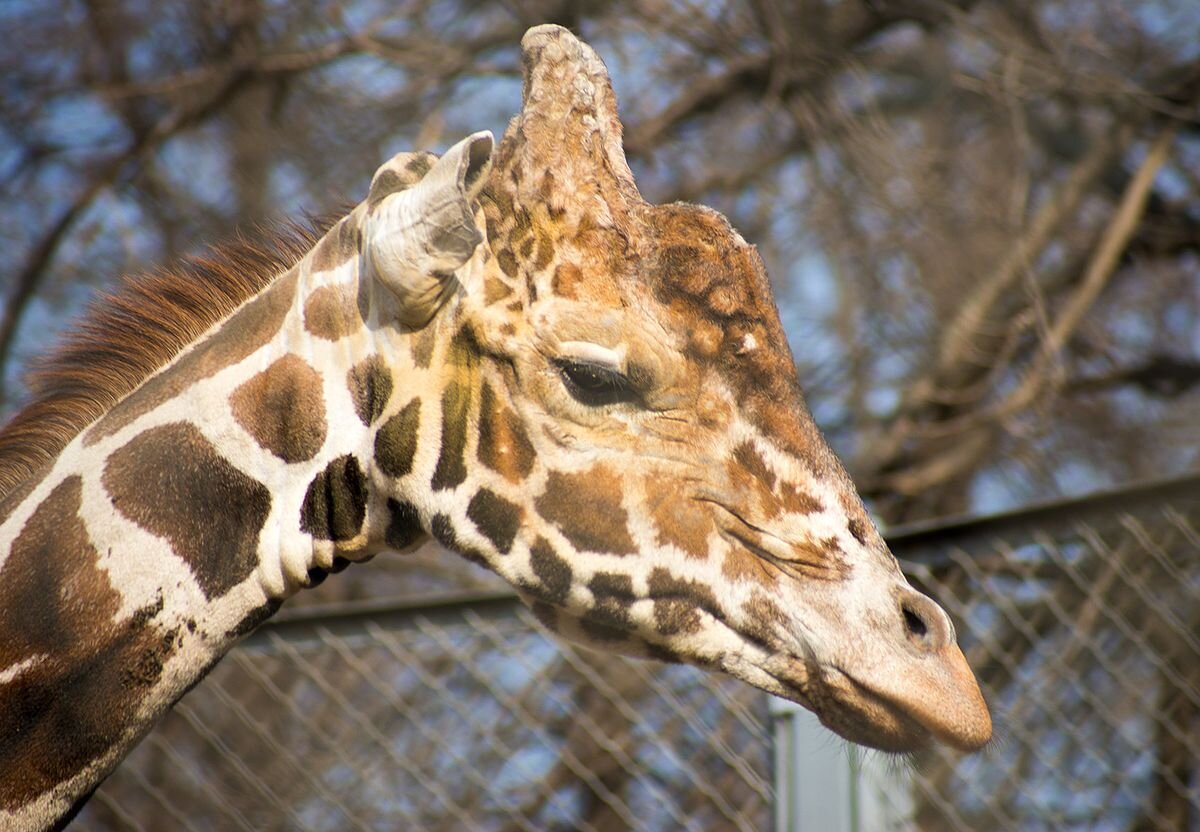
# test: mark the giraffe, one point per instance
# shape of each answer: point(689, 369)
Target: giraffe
point(505, 349)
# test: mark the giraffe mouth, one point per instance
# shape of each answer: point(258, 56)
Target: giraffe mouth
point(908, 711)
point(860, 714)
point(893, 709)
point(848, 708)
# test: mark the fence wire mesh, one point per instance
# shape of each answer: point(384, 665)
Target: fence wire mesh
point(1081, 619)
point(460, 716)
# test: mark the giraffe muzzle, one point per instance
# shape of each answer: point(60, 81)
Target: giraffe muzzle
point(922, 689)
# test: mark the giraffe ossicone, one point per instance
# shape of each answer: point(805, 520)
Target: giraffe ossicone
point(506, 349)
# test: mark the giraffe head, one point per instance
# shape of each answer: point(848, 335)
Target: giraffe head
point(621, 432)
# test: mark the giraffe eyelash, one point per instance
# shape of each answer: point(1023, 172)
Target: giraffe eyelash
point(594, 385)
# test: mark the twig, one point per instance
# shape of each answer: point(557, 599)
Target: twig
point(962, 355)
point(1108, 253)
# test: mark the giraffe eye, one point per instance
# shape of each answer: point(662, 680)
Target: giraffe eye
point(593, 385)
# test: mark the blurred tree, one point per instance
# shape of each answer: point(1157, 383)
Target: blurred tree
point(982, 217)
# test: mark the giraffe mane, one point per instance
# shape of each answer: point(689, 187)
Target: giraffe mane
point(134, 330)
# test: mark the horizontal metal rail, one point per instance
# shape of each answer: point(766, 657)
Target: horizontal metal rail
point(928, 543)
point(351, 616)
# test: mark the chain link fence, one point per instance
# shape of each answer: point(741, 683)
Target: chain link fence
point(461, 715)
point(1082, 620)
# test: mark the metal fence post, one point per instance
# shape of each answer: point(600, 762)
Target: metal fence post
point(825, 784)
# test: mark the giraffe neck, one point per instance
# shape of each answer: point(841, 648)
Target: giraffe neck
point(183, 517)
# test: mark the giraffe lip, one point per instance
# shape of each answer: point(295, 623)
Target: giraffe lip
point(848, 709)
point(892, 728)
point(924, 707)
point(861, 714)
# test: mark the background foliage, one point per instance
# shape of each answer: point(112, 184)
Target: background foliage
point(936, 187)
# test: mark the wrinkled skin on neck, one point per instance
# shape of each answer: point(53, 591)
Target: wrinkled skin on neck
point(628, 444)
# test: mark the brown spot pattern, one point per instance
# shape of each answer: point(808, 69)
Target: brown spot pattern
point(443, 531)
point(393, 179)
point(387, 182)
point(283, 408)
point(762, 618)
point(247, 330)
point(713, 411)
point(819, 559)
point(442, 528)
point(503, 446)
point(507, 262)
point(586, 508)
point(545, 251)
point(757, 499)
point(797, 501)
point(396, 441)
point(553, 573)
point(404, 524)
point(496, 518)
point(612, 597)
point(331, 312)
point(370, 384)
point(680, 521)
point(173, 483)
point(566, 280)
point(423, 343)
point(462, 361)
point(451, 467)
point(77, 701)
point(335, 503)
point(495, 290)
point(858, 530)
point(702, 274)
point(678, 603)
point(741, 564)
point(342, 242)
point(130, 334)
point(420, 164)
point(751, 460)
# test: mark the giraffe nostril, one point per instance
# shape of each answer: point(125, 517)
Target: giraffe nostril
point(926, 625)
point(914, 624)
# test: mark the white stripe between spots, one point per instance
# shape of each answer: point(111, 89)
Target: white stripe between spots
point(14, 670)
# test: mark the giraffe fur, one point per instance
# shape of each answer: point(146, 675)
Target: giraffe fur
point(508, 350)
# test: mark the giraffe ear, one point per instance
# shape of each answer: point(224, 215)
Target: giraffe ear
point(566, 141)
point(415, 238)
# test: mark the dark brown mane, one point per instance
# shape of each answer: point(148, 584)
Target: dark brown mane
point(134, 330)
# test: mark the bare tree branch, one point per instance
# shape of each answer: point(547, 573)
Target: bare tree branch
point(1112, 243)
